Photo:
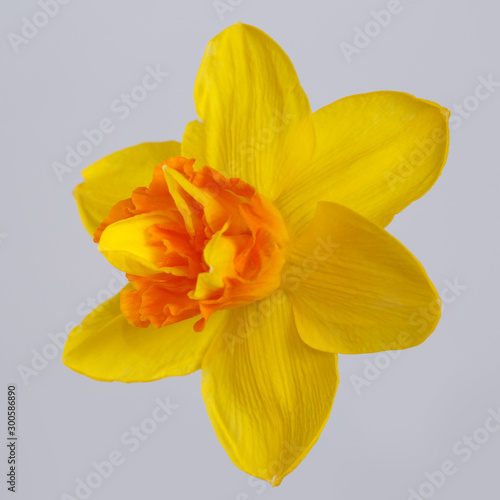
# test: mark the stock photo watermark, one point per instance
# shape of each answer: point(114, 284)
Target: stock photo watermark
point(41, 357)
point(121, 108)
point(292, 278)
point(11, 438)
point(222, 7)
point(462, 111)
point(30, 27)
point(377, 23)
point(130, 441)
point(419, 321)
point(265, 135)
point(422, 149)
point(465, 448)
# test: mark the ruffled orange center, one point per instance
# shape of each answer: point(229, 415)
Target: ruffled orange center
point(212, 243)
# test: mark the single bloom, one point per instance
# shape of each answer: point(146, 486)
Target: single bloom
point(256, 250)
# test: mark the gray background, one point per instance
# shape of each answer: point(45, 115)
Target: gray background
point(377, 444)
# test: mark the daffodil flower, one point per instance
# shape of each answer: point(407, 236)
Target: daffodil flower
point(256, 250)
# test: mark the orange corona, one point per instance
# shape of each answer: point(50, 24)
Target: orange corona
point(213, 243)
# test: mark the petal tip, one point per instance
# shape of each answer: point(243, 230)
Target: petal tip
point(276, 481)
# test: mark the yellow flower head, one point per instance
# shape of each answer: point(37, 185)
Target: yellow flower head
point(255, 250)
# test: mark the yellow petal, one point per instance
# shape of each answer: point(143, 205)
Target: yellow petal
point(375, 153)
point(125, 245)
point(219, 254)
point(105, 347)
point(255, 119)
point(356, 289)
point(115, 177)
point(268, 394)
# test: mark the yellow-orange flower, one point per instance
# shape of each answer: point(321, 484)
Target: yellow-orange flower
point(256, 250)
point(192, 243)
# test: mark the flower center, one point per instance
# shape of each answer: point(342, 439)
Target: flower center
point(192, 243)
